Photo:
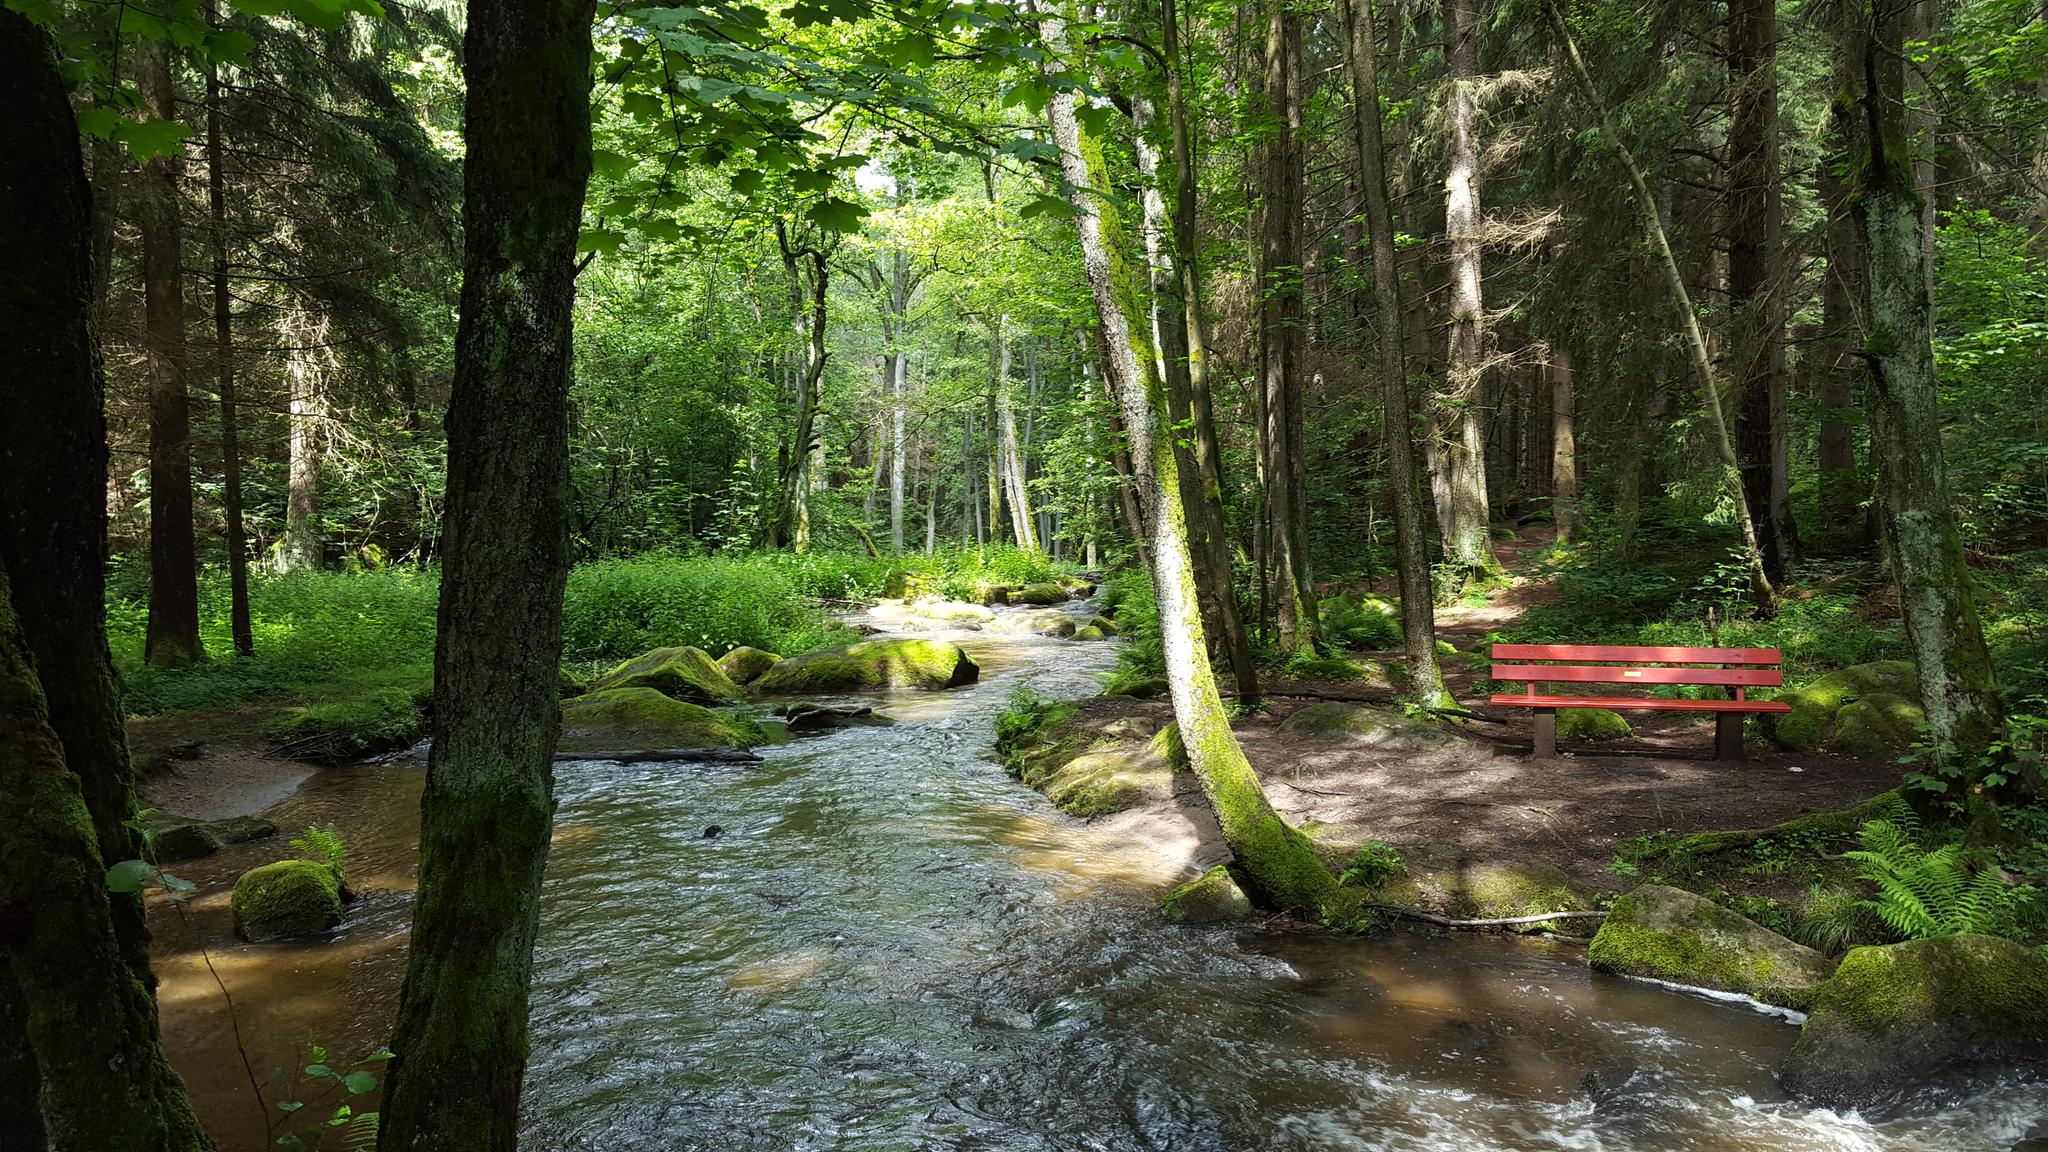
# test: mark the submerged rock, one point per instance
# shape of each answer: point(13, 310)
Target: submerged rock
point(1366, 726)
point(954, 612)
point(288, 898)
point(1863, 710)
point(802, 718)
point(1041, 622)
point(1592, 724)
point(1915, 1026)
point(744, 665)
point(1673, 935)
point(630, 719)
point(1211, 898)
point(685, 673)
point(181, 838)
point(872, 664)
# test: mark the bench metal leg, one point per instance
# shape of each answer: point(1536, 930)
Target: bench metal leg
point(1546, 733)
point(1728, 736)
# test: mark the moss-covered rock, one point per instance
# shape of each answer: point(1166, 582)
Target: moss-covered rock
point(1816, 721)
point(1041, 622)
point(241, 829)
point(1077, 586)
point(744, 665)
point(1045, 593)
point(288, 898)
point(1368, 727)
point(904, 584)
point(1909, 1027)
point(684, 672)
point(568, 684)
point(954, 612)
point(1091, 632)
point(1591, 724)
point(1095, 767)
point(185, 842)
point(992, 594)
point(638, 719)
point(872, 664)
point(1211, 898)
point(1136, 687)
point(1671, 934)
point(1104, 625)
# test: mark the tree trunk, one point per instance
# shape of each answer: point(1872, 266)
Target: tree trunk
point(1418, 609)
point(485, 820)
point(75, 983)
point(1958, 686)
point(1277, 863)
point(1205, 453)
point(172, 639)
point(1756, 313)
point(1762, 594)
point(1009, 460)
point(899, 368)
point(1467, 531)
point(237, 540)
point(305, 368)
point(1281, 317)
point(1843, 486)
point(792, 519)
point(1564, 451)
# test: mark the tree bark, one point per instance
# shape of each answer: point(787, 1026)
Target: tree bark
point(1755, 245)
point(1762, 594)
point(1022, 531)
point(1277, 863)
point(172, 637)
point(1467, 531)
point(485, 820)
point(792, 519)
point(1185, 288)
point(1958, 686)
point(1564, 450)
point(306, 362)
point(1281, 319)
point(75, 982)
point(1418, 609)
point(1843, 486)
point(237, 538)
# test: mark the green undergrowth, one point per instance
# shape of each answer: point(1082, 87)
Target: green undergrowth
point(956, 574)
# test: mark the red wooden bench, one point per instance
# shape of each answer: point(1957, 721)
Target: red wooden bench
point(1739, 669)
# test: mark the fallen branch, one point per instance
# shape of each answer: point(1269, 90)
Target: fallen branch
point(1500, 922)
point(659, 755)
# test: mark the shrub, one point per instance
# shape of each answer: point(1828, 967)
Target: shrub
point(1373, 862)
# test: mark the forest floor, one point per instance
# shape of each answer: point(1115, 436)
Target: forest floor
point(212, 763)
point(1483, 798)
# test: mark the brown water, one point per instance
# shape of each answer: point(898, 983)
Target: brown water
point(892, 945)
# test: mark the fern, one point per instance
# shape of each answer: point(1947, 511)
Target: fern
point(321, 843)
point(1925, 893)
point(361, 1133)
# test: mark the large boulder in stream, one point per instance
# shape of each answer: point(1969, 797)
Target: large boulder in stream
point(1365, 727)
point(1863, 710)
point(685, 673)
point(744, 665)
point(642, 719)
point(957, 613)
point(1673, 935)
point(1916, 1026)
point(872, 664)
point(1041, 594)
point(1038, 622)
point(288, 898)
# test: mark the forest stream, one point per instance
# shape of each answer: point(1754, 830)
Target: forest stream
point(890, 944)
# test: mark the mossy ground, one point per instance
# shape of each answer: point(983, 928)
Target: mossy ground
point(1087, 767)
point(351, 726)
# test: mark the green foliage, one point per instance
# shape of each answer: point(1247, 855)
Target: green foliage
point(1831, 918)
point(1027, 715)
point(625, 607)
point(1127, 598)
point(316, 1082)
point(1924, 893)
point(1370, 623)
point(1373, 862)
point(322, 844)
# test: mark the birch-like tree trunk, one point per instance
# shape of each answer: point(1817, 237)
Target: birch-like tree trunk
point(306, 362)
point(1277, 864)
point(1418, 609)
point(1467, 527)
point(1958, 686)
point(487, 814)
point(1564, 445)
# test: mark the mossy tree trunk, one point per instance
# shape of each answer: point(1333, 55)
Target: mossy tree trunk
point(1958, 687)
point(791, 522)
point(485, 819)
point(1277, 862)
point(1763, 595)
point(1843, 486)
point(1418, 609)
point(75, 983)
point(236, 536)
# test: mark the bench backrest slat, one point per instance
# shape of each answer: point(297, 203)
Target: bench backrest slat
point(1552, 673)
point(1637, 654)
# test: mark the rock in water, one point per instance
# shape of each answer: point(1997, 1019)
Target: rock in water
point(1368, 727)
point(872, 664)
point(625, 719)
point(1671, 934)
point(1039, 621)
point(954, 612)
point(685, 673)
point(1211, 898)
point(744, 665)
point(1916, 1026)
point(1046, 593)
point(288, 898)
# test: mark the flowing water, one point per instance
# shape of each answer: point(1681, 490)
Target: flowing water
point(890, 944)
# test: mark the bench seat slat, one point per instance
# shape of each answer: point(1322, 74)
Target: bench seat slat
point(1637, 654)
point(1639, 704)
point(1612, 674)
